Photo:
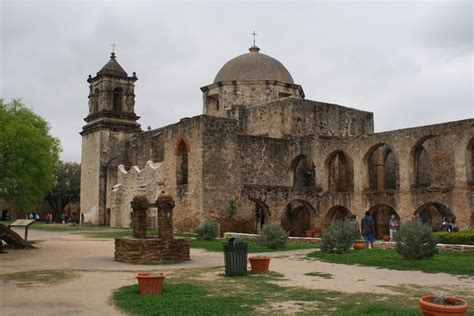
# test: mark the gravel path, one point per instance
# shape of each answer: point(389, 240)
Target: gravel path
point(99, 275)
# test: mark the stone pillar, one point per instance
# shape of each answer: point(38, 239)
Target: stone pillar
point(380, 177)
point(165, 206)
point(139, 207)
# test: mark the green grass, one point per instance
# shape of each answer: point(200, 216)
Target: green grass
point(253, 247)
point(320, 274)
point(189, 294)
point(48, 277)
point(453, 263)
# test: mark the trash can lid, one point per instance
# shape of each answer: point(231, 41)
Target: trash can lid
point(236, 239)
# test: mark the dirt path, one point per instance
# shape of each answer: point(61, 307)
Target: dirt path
point(98, 275)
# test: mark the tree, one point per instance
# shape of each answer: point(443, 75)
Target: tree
point(66, 187)
point(28, 154)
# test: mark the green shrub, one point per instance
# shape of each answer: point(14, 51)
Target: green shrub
point(415, 241)
point(207, 230)
point(339, 236)
point(459, 238)
point(272, 236)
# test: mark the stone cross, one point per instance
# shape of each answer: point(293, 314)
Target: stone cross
point(254, 34)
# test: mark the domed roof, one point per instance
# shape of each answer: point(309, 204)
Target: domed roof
point(112, 67)
point(253, 66)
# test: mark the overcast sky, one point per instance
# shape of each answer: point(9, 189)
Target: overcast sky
point(411, 63)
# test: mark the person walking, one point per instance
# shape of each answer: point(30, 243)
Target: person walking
point(368, 230)
point(393, 225)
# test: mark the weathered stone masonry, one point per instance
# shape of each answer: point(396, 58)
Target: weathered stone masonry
point(261, 153)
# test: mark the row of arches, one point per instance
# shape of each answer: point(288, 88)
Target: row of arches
point(299, 216)
point(382, 166)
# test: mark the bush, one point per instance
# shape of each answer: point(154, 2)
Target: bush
point(339, 236)
point(415, 241)
point(459, 238)
point(207, 230)
point(272, 236)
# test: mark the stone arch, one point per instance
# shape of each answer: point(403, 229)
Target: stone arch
point(337, 213)
point(382, 168)
point(303, 171)
point(117, 100)
point(422, 164)
point(296, 217)
point(181, 152)
point(340, 172)
point(470, 162)
point(381, 214)
point(262, 214)
point(433, 213)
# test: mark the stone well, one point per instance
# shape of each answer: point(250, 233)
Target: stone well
point(152, 250)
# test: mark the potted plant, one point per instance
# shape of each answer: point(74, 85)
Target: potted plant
point(386, 237)
point(441, 304)
point(359, 244)
point(259, 264)
point(308, 233)
point(150, 283)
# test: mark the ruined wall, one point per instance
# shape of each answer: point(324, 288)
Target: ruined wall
point(146, 146)
point(147, 181)
point(270, 188)
point(299, 117)
point(188, 197)
point(447, 146)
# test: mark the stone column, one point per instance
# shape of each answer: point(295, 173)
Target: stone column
point(139, 207)
point(165, 206)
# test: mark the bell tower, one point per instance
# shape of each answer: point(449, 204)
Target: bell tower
point(111, 122)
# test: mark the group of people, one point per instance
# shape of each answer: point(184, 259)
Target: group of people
point(48, 218)
point(368, 226)
point(33, 215)
point(449, 226)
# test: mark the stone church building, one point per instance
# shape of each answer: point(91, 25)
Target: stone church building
point(261, 153)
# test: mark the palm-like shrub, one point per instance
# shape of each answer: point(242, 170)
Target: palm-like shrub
point(207, 230)
point(272, 236)
point(339, 236)
point(415, 241)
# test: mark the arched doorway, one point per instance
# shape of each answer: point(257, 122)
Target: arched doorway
point(433, 213)
point(422, 163)
point(339, 171)
point(296, 217)
point(381, 214)
point(181, 152)
point(262, 214)
point(383, 169)
point(337, 213)
point(303, 171)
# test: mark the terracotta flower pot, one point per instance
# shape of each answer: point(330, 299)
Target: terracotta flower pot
point(386, 238)
point(260, 264)
point(308, 233)
point(430, 309)
point(359, 245)
point(150, 283)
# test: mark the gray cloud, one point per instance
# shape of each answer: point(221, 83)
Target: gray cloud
point(409, 62)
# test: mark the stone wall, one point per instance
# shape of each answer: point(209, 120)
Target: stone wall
point(147, 181)
point(220, 97)
point(151, 250)
point(300, 117)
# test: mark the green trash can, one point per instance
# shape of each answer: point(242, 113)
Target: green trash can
point(235, 256)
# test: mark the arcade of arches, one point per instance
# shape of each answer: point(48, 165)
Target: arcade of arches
point(299, 216)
